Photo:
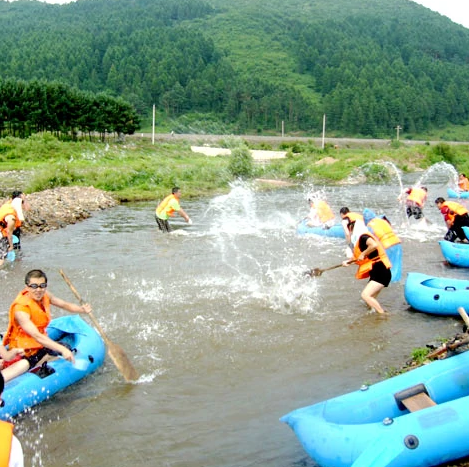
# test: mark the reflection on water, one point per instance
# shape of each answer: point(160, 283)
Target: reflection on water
point(226, 331)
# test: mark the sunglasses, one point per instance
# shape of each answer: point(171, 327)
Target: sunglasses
point(37, 286)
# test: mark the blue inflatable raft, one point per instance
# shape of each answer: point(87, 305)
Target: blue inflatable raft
point(419, 418)
point(436, 295)
point(457, 254)
point(336, 230)
point(457, 194)
point(33, 387)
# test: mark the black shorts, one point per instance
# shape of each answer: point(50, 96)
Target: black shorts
point(39, 355)
point(415, 211)
point(380, 273)
point(163, 225)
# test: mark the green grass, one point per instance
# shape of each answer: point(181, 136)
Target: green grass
point(138, 170)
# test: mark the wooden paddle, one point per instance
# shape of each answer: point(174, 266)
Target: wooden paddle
point(445, 347)
point(463, 314)
point(316, 272)
point(114, 351)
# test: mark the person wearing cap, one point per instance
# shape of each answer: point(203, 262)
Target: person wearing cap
point(372, 261)
point(11, 451)
point(456, 217)
point(167, 208)
point(29, 317)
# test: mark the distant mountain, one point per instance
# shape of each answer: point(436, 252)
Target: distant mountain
point(370, 65)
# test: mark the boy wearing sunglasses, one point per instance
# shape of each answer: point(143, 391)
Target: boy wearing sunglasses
point(29, 317)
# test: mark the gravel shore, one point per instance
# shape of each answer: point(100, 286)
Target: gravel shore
point(59, 207)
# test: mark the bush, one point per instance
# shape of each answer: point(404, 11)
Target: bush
point(241, 162)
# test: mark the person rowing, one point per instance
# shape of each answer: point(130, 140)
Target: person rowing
point(372, 261)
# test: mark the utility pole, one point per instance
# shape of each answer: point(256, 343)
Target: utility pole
point(283, 128)
point(398, 127)
point(153, 127)
point(323, 130)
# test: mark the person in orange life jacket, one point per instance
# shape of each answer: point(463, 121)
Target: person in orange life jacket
point(11, 452)
point(347, 217)
point(167, 208)
point(372, 262)
point(21, 204)
point(463, 182)
point(9, 221)
point(320, 214)
point(415, 201)
point(381, 228)
point(29, 316)
point(456, 217)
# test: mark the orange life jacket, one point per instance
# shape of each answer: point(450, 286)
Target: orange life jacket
point(382, 230)
point(7, 210)
point(6, 437)
point(324, 211)
point(164, 208)
point(418, 196)
point(15, 336)
point(365, 266)
point(463, 184)
point(454, 209)
point(353, 216)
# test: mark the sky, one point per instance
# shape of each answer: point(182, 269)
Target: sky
point(456, 10)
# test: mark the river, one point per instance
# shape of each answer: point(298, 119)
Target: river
point(225, 330)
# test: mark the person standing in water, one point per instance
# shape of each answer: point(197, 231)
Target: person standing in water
point(415, 201)
point(456, 217)
point(381, 228)
point(21, 204)
point(347, 217)
point(167, 208)
point(372, 262)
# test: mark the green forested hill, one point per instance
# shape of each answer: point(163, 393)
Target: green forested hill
point(370, 65)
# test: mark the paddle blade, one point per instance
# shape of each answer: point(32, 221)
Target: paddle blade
point(11, 256)
point(316, 272)
point(116, 354)
point(122, 362)
point(81, 364)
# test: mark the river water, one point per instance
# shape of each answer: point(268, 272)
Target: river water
point(226, 331)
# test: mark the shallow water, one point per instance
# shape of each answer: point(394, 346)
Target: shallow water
point(227, 333)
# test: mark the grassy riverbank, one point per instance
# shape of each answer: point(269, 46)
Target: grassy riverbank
point(139, 170)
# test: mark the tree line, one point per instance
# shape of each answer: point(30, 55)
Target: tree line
point(28, 107)
point(368, 68)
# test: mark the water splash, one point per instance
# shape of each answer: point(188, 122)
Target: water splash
point(441, 172)
point(234, 213)
point(371, 172)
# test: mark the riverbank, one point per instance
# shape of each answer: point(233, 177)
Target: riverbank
point(137, 170)
point(59, 207)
